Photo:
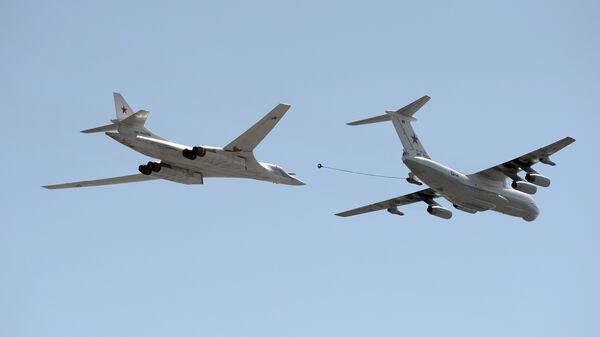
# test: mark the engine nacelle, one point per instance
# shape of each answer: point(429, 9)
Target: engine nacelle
point(524, 187)
point(412, 179)
point(172, 173)
point(547, 161)
point(537, 179)
point(216, 157)
point(439, 211)
point(151, 167)
point(464, 209)
point(178, 174)
point(395, 210)
point(144, 169)
point(196, 151)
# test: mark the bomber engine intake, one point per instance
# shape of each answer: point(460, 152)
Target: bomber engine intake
point(439, 211)
point(537, 179)
point(524, 187)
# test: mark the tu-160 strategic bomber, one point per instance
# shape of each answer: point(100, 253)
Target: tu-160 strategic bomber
point(186, 164)
point(478, 192)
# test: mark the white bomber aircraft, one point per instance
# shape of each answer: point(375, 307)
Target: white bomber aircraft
point(185, 164)
point(482, 191)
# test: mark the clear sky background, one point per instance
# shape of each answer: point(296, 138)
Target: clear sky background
point(249, 258)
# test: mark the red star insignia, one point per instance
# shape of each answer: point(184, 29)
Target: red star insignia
point(415, 139)
point(124, 109)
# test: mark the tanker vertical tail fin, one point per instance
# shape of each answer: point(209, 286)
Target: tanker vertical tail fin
point(402, 119)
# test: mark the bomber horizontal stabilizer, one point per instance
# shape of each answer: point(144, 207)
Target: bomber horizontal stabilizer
point(136, 120)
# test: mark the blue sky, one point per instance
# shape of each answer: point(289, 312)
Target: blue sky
point(250, 258)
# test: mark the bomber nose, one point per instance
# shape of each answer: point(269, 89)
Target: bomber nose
point(296, 181)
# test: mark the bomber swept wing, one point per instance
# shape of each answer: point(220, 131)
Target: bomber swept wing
point(426, 195)
point(100, 182)
point(255, 134)
point(511, 168)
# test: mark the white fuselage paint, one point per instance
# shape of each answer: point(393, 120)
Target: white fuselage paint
point(471, 193)
point(216, 162)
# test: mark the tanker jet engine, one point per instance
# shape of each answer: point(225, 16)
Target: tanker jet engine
point(482, 191)
point(189, 164)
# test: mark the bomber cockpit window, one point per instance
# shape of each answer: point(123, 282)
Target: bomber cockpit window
point(280, 171)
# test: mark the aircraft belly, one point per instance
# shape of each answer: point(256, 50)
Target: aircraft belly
point(514, 207)
point(214, 163)
point(207, 169)
point(151, 149)
point(463, 194)
point(209, 166)
point(477, 198)
point(495, 201)
point(459, 192)
point(471, 198)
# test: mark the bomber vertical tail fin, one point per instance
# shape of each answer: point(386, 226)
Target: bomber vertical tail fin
point(122, 109)
point(402, 119)
point(127, 119)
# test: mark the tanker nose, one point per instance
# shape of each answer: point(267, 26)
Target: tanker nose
point(533, 212)
point(414, 164)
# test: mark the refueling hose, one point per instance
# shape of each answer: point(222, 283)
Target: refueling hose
point(319, 165)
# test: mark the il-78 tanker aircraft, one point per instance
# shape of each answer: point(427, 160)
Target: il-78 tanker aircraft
point(482, 191)
point(187, 164)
